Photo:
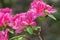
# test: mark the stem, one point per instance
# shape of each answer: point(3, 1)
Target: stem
point(40, 36)
point(40, 20)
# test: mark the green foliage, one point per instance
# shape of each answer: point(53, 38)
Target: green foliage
point(40, 20)
point(36, 28)
point(19, 37)
point(51, 16)
point(29, 30)
point(11, 31)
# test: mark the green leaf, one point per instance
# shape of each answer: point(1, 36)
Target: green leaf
point(11, 31)
point(51, 16)
point(19, 37)
point(29, 30)
point(36, 28)
point(40, 20)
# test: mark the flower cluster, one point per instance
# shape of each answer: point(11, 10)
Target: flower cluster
point(41, 8)
point(20, 21)
point(3, 34)
point(5, 16)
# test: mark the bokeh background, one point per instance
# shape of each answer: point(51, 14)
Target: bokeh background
point(50, 27)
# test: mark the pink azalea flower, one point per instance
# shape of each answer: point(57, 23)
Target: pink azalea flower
point(5, 10)
point(49, 9)
point(39, 6)
point(3, 35)
point(20, 21)
point(16, 23)
point(4, 16)
point(30, 17)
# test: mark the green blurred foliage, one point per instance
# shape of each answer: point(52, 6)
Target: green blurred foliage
point(6, 3)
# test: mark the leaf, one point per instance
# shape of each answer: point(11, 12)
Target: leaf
point(20, 37)
point(29, 30)
point(36, 28)
point(11, 31)
point(51, 16)
point(40, 20)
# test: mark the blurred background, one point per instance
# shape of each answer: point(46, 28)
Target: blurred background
point(50, 27)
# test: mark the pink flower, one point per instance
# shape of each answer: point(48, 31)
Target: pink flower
point(3, 35)
point(33, 24)
point(16, 22)
point(5, 15)
point(30, 17)
point(5, 10)
point(20, 21)
point(49, 9)
point(41, 8)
